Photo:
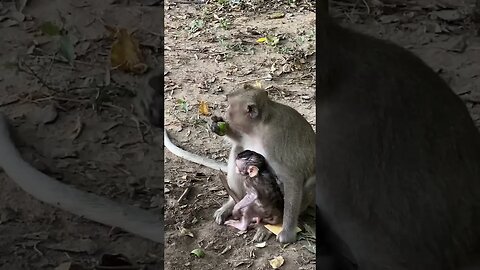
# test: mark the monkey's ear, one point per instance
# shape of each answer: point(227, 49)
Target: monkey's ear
point(252, 110)
point(252, 171)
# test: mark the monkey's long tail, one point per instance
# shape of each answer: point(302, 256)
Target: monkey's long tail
point(192, 157)
point(55, 193)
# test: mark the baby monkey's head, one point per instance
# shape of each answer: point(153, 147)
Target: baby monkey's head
point(249, 163)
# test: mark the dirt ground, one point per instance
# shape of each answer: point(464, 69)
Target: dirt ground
point(75, 126)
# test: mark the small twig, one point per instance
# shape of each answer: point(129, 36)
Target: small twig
point(59, 99)
point(9, 102)
point(251, 80)
point(25, 68)
point(366, 5)
point(37, 250)
point(132, 117)
point(187, 2)
point(184, 194)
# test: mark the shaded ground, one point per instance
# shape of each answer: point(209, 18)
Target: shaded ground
point(76, 128)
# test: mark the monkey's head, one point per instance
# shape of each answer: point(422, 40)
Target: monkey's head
point(249, 163)
point(246, 107)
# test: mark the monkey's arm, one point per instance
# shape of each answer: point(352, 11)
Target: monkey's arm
point(190, 156)
point(92, 207)
point(245, 201)
point(230, 192)
point(231, 133)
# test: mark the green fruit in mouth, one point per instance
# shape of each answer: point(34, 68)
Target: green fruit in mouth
point(222, 128)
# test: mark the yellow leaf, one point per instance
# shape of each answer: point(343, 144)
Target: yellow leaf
point(203, 108)
point(277, 262)
point(262, 40)
point(276, 229)
point(125, 53)
point(276, 15)
point(258, 84)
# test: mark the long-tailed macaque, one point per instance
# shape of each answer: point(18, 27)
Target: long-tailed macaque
point(398, 157)
point(277, 132)
point(286, 140)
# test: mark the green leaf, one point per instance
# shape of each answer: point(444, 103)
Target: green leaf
point(183, 104)
point(196, 25)
point(66, 48)
point(222, 128)
point(50, 29)
point(198, 252)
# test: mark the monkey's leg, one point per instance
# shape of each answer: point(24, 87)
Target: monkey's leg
point(236, 185)
point(247, 215)
point(308, 198)
point(293, 195)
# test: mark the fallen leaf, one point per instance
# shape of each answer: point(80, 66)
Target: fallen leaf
point(277, 262)
point(276, 229)
point(261, 245)
point(276, 15)
point(66, 48)
point(183, 104)
point(125, 52)
point(262, 40)
point(50, 29)
point(198, 252)
point(269, 39)
point(257, 84)
point(45, 115)
point(186, 232)
point(78, 129)
point(203, 108)
point(196, 25)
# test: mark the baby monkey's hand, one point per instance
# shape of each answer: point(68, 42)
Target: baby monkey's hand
point(218, 126)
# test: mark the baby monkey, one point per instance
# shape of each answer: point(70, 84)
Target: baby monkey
point(263, 200)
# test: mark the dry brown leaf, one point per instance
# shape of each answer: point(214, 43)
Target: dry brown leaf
point(125, 53)
point(276, 262)
point(203, 108)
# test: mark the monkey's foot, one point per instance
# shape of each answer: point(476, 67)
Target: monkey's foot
point(222, 213)
point(262, 234)
point(241, 226)
point(287, 236)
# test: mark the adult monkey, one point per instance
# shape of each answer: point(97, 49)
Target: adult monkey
point(46, 189)
point(279, 133)
point(398, 176)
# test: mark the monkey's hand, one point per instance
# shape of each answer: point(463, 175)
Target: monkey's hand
point(219, 126)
